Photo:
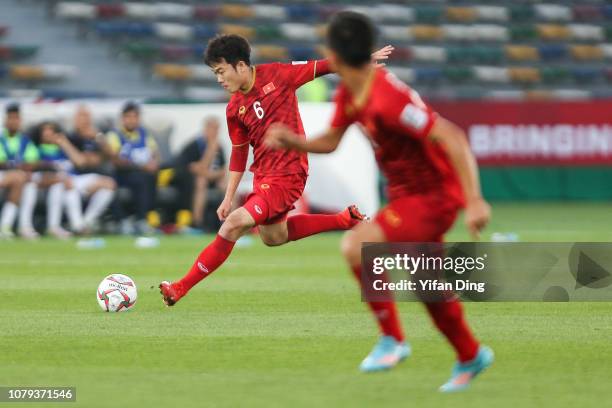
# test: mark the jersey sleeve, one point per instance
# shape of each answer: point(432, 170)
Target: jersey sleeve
point(341, 118)
point(240, 142)
point(300, 72)
point(405, 111)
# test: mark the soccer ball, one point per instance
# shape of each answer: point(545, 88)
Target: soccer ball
point(116, 293)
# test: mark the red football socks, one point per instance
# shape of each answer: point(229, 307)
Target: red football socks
point(385, 313)
point(449, 319)
point(209, 259)
point(305, 225)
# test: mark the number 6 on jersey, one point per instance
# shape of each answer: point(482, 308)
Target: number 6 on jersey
point(259, 112)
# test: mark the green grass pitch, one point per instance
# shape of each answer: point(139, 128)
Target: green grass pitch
point(284, 327)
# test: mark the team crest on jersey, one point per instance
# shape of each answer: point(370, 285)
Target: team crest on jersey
point(265, 186)
point(242, 110)
point(268, 88)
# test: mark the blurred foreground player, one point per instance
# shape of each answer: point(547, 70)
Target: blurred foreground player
point(261, 95)
point(427, 162)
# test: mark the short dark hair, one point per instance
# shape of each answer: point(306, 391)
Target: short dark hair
point(232, 48)
point(12, 108)
point(130, 107)
point(35, 134)
point(352, 36)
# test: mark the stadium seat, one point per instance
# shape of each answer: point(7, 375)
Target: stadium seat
point(3, 30)
point(107, 11)
point(586, 32)
point(586, 74)
point(522, 53)
point(487, 54)
point(236, 12)
point(607, 72)
point(271, 53)
point(26, 72)
point(204, 31)
point(243, 30)
point(491, 74)
point(461, 14)
point(3, 71)
point(571, 94)
point(586, 52)
point(428, 75)
point(429, 54)
point(524, 74)
point(606, 50)
point(176, 52)
point(15, 53)
point(606, 11)
point(550, 52)
point(458, 32)
point(140, 50)
point(201, 72)
point(459, 54)
point(490, 32)
point(118, 28)
point(396, 12)
point(206, 13)
point(173, 31)
point(270, 12)
point(586, 12)
point(370, 11)
point(300, 53)
point(553, 12)
point(554, 74)
point(299, 31)
point(458, 74)
point(523, 33)
point(521, 12)
point(174, 11)
point(492, 13)
point(42, 72)
point(401, 54)
point(268, 32)
point(300, 12)
point(72, 10)
point(554, 32)
point(403, 73)
point(206, 94)
point(426, 32)
point(608, 30)
point(428, 14)
point(172, 72)
point(396, 33)
point(141, 11)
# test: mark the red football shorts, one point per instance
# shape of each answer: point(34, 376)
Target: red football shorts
point(424, 218)
point(273, 197)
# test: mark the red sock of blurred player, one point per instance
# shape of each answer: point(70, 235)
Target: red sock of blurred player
point(385, 313)
point(209, 259)
point(449, 319)
point(305, 225)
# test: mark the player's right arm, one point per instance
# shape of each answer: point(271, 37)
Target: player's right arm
point(238, 159)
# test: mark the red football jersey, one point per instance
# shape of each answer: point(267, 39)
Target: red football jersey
point(397, 123)
point(271, 99)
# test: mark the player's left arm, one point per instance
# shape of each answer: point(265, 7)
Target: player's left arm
point(301, 72)
point(454, 141)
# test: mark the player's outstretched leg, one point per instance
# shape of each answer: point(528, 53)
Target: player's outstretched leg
point(472, 358)
point(305, 225)
point(391, 347)
point(213, 256)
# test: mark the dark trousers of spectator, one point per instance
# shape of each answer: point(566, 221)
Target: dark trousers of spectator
point(143, 186)
point(184, 181)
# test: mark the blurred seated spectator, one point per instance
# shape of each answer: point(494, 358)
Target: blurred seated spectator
point(136, 159)
point(200, 175)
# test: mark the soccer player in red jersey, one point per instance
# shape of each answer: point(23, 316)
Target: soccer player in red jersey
point(431, 174)
point(261, 95)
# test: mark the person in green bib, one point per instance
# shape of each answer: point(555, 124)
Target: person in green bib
point(18, 157)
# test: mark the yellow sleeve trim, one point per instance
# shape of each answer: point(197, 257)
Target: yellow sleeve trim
point(239, 145)
point(314, 74)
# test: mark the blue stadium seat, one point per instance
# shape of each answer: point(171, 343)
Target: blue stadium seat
point(3, 71)
point(302, 53)
point(111, 29)
point(428, 74)
point(550, 52)
point(204, 31)
point(607, 11)
point(198, 50)
point(586, 74)
point(301, 12)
